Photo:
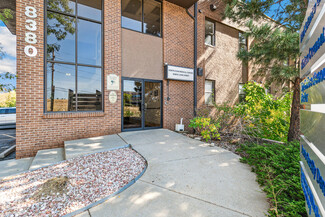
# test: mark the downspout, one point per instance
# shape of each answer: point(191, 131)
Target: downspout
point(195, 56)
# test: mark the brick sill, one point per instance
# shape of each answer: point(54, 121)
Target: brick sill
point(72, 115)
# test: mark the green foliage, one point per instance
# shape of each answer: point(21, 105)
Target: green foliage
point(271, 51)
point(264, 116)
point(278, 171)
point(206, 127)
point(275, 48)
point(59, 25)
point(5, 15)
point(8, 99)
point(6, 87)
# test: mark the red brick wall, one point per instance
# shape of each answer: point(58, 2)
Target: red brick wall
point(36, 130)
point(178, 38)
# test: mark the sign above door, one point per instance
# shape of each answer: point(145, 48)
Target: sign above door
point(179, 73)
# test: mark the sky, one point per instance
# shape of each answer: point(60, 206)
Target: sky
point(8, 45)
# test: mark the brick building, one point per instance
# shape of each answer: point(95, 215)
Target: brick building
point(91, 68)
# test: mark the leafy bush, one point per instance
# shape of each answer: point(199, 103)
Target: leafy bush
point(8, 99)
point(264, 116)
point(207, 128)
point(277, 168)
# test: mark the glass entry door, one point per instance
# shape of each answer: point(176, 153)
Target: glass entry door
point(142, 104)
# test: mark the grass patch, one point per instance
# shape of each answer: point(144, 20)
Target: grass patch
point(278, 172)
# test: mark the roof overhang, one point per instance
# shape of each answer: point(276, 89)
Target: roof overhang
point(183, 3)
point(11, 23)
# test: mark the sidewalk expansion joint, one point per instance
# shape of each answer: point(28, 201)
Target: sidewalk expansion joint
point(187, 158)
point(186, 195)
point(122, 138)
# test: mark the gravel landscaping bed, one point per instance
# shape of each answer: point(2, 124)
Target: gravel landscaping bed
point(70, 185)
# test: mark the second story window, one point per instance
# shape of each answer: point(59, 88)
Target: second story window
point(209, 33)
point(142, 16)
point(209, 92)
point(242, 41)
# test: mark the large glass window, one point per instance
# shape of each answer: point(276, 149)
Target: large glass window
point(74, 55)
point(142, 16)
point(209, 33)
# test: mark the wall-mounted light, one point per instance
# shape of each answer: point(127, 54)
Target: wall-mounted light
point(213, 7)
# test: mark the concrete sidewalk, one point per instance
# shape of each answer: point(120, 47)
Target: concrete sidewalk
point(185, 177)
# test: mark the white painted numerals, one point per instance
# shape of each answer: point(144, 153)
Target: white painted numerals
point(31, 25)
point(30, 37)
point(30, 12)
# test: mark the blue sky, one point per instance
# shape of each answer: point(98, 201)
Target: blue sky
point(8, 45)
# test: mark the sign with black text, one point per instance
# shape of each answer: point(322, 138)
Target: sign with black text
point(179, 73)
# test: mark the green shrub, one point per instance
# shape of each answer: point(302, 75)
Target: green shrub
point(264, 116)
point(207, 128)
point(8, 99)
point(277, 168)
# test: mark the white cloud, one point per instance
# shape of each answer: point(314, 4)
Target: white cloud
point(7, 41)
point(8, 65)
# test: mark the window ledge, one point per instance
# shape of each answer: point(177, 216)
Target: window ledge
point(209, 46)
point(60, 115)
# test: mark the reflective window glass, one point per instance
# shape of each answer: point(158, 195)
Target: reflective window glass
point(209, 92)
point(242, 41)
point(90, 9)
point(60, 37)
point(132, 104)
point(66, 88)
point(132, 14)
point(152, 17)
point(209, 33)
point(60, 87)
point(89, 89)
point(66, 6)
point(89, 43)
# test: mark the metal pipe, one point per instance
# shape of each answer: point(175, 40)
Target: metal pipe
point(195, 57)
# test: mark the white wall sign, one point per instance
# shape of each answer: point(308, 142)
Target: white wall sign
point(113, 82)
point(31, 26)
point(179, 73)
point(112, 97)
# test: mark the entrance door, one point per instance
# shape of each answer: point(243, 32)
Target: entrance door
point(142, 104)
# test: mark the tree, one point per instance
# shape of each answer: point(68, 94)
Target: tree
point(275, 47)
point(5, 14)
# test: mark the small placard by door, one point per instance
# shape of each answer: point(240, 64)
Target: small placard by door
point(112, 97)
point(113, 82)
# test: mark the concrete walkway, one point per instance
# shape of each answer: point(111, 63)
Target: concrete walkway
point(185, 177)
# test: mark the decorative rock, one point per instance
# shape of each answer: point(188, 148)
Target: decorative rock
point(90, 178)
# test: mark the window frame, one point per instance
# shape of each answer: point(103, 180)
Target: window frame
point(241, 94)
point(213, 91)
point(76, 64)
point(214, 31)
point(240, 42)
point(142, 19)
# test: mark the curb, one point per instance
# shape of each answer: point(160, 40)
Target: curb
point(115, 193)
point(8, 151)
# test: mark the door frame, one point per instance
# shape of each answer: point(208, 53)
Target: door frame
point(142, 104)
